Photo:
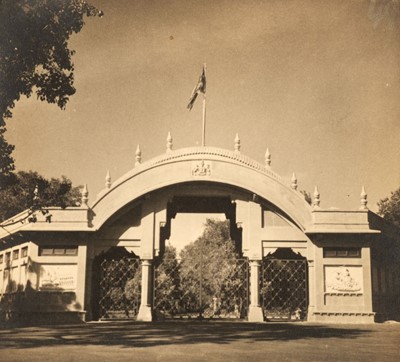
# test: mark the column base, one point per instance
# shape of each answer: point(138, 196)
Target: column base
point(255, 314)
point(145, 314)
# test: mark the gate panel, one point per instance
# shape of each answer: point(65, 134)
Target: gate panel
point(284, 294)
point(190, 288)
point(119, 287)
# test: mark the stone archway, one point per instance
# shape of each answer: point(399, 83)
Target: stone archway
point(159, 189)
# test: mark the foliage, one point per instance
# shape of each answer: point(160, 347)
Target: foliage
point(389, 207)
point(210, 266)
point(20, 195)
point(133, 286)
point(34, 49)
point(6, 160)
point(168, 293)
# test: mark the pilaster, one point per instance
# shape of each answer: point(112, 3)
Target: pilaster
point(145, 310)
point(255, 311)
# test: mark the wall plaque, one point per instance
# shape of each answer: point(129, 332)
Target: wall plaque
point(57, 277)
point(343, 279)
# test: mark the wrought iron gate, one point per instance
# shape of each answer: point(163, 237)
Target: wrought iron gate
point(118, 288)
point(193, 288)
point(284, 293)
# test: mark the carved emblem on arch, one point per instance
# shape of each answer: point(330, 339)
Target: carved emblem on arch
point(202, 168)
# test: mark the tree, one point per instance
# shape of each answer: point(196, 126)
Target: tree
point(389, 207)
point(211, 272)
point(34, 52)
point(6, 161)
point(167, 293)
point(20, 195)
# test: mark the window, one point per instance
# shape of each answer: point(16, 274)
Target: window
point(24, 252)
point(15, 254)
point(8, 257)
point(1, 258)
point(342, 252)
point(58, 251)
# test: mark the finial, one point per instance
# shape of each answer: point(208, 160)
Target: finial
point(169, 142)
point(267, 158)
point(293, 184)
point(108, 179)
point(363, 199)
point(138, 156)
point(317, 199)
point(237, 144)
point(85, 196)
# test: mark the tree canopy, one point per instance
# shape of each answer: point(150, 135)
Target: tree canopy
point(389, 207)
point(212, 275)
point(20, 195)
point(34, 51)
point(6, 160)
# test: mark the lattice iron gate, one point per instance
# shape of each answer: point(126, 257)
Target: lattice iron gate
point(284, 294)
point(193, 288)
point(118, 288)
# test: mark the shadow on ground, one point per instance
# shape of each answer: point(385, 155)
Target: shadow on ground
point(134, 334)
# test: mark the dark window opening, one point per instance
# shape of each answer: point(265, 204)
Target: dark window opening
point(342, 252)
point(24, 252)
point(58, 251)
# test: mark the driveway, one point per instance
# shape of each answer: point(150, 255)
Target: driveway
point(201, 341)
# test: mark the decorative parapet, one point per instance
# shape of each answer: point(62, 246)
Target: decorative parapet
point(338, 221)
point(213, 152)
point(199, 153)
point(68, 219)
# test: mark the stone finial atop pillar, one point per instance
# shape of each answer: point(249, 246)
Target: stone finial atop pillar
point(138, 156)
point(363, 199)
point(237, 144)
point(267, 158)
point(108, 179)
point(169, 142)
point(84, 196)
point(316, 200)
point(293, 183)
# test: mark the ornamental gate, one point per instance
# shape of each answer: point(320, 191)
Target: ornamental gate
point(284, 294)
point(199, 287)
point(117, 285)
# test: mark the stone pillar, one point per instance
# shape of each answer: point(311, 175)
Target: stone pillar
point(311, 290)
point(145, 312)
point(255, 311)
point(81, 278)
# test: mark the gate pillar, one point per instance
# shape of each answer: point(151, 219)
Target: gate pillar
point(145, 310)
point(255, 311)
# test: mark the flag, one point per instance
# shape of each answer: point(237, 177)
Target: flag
point(199, 88)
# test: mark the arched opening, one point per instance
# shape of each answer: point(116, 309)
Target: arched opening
point(284, 286)
point(207, 277)
point(116, 285)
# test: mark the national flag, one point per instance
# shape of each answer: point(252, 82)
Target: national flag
point(199, 88)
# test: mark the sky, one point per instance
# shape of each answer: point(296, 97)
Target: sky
point(317, 82)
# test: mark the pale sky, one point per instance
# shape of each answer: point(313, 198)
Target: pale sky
point(318, 82)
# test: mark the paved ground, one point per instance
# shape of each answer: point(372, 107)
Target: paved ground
point(202, 341)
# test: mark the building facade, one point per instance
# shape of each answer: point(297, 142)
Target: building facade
point(299, 261)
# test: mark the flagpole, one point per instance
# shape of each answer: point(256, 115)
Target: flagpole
point(203, 142)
